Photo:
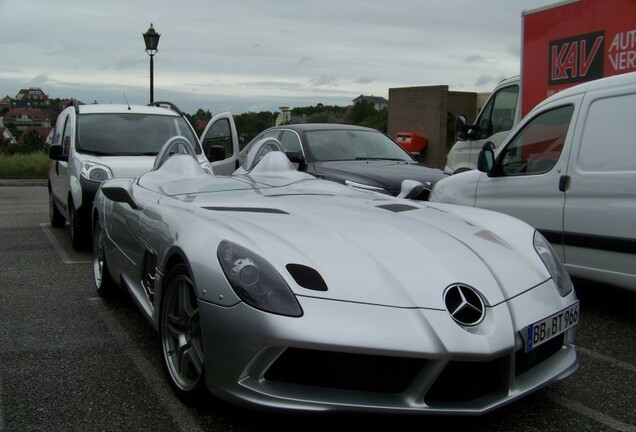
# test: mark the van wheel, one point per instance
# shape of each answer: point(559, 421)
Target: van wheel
point(56, 218)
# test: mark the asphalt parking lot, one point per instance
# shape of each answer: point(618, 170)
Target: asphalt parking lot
point(70, 361)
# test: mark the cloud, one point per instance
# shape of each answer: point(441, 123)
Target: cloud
point(363, 80)
point(39, 80)
point(475, 58)
point(323, 80)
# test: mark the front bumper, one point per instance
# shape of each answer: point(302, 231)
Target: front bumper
point(357, 357)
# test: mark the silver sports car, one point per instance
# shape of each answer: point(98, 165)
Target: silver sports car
point(273, 288)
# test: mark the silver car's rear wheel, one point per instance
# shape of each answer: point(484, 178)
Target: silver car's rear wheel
point(181, 338)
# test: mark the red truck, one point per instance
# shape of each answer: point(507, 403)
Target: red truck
point(562, 45)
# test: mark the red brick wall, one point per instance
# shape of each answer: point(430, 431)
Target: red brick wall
point(425, 111)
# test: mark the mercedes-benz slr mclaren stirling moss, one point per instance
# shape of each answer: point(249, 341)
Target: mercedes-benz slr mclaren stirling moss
point(278, 289)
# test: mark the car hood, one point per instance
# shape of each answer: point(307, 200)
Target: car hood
point(371, 249)
point(382, 173)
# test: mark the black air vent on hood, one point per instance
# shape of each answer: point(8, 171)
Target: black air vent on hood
point(397, 208)
point(307, 277)
point(247, 209)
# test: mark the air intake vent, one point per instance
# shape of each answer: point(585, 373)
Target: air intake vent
point(307, 277)
point(397, 208)
point(247, 209)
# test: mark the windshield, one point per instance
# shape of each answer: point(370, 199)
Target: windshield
point(124, 134)
point(335, 145)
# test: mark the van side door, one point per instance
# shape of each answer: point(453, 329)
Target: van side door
point(525, 180)
point(221, 144)
point(59, 175)
point(600, 205)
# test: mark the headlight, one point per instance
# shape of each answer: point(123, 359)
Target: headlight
point(553, 264)
point(256, 281)
point(96, 172)
point(365, 187)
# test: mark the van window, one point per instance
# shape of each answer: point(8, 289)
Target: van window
point(499, 113)
point(537, 147)
point(608, 142)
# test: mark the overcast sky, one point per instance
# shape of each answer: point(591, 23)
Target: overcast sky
point(256, 55)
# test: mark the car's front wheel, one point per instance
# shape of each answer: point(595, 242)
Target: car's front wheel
point(101, 275)
point(181, 337)
point(56, 218)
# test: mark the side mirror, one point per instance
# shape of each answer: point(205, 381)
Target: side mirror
point(297, 157)
point(461, 128)
point(216, 153)
point(416, 155)
point(119, 190)
point(486, 158)
point(410, 189)
point(57, 153)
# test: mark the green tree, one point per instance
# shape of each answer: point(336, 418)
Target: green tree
point(250, 124)
point(32, 142)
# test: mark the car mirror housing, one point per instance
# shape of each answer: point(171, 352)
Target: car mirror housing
point(56, 152)
point(119, 190)
point(410, 189)
point(216, 153)
point(486, 159)
point(461, 128)
point(297, 157)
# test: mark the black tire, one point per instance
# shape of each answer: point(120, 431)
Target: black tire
point(79, 240)
point(181, 338)
point(104, 282)
point(56, 218)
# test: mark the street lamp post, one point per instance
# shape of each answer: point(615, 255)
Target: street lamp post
point(151, 39)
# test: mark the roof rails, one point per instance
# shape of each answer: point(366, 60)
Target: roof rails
point(168, 104)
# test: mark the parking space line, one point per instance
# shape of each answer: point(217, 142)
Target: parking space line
point(1, 405)
point(598, 356)
point(598, 416)
point(159, 387)
point(58, 247)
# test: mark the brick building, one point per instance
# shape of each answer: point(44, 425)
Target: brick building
point(430, 111)
point(23, 118)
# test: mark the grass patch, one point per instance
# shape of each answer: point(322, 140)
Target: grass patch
point(24, 166)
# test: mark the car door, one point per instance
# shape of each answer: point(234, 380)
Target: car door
point(526, 179)
point(221, 133)
point(600, 204)
point(59, 176)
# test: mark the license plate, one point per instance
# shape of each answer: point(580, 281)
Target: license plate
point(552, 326)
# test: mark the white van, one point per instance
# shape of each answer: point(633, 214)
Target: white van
point(493, 124)
point(568, 169)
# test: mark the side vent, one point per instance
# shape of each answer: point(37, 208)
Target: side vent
point(307, 277)
point(148, 281)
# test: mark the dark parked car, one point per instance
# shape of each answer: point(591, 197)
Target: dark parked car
point(357, 156)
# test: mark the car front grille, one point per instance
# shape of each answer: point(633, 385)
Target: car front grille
point(345, 371)
point(459, 382)
point(463, 381)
